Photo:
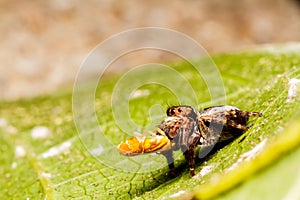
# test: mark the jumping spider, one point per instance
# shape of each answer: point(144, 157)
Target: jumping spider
point(186, 128)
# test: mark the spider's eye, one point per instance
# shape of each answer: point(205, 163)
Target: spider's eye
point(179, 110)
point(172, 111)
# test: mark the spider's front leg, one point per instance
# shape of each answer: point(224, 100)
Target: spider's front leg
point(190, 153)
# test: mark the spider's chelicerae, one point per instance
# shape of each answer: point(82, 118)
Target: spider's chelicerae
point(185, 128)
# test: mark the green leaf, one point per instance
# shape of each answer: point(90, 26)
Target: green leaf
point(56, 164)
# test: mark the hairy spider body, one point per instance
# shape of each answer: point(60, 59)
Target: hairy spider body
point(206, 127)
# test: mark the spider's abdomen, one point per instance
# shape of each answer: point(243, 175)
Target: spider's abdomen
point(220, 123)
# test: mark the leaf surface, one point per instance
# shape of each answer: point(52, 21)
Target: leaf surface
point(58, 166)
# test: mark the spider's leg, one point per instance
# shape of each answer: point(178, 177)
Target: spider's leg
point(170, 160)
point(211, 128)
point(243, 113)
point(203, 128)
point(207, 136)
point(205, 118)
point(255, 114)
point(236, 125)
point(188, 138)
point(192, 142)
point(218, 118)
point(190, 152)
point(190, 157)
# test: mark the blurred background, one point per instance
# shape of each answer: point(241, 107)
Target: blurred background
point(44, 42)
